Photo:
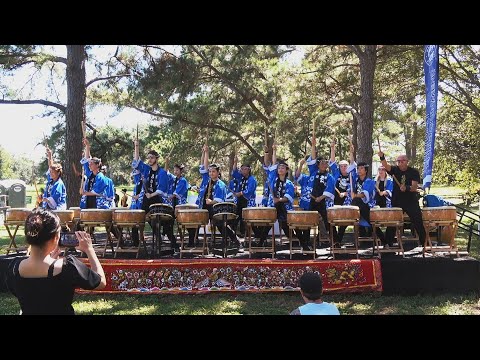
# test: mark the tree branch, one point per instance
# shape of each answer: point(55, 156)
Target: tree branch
point(230, 131)
point(470, 76)
point(357, 50)
point(41, 102)
point(106, 78)
point(348, 108)
point(57, 59)
point(150, 112)
point(460, 89)
point(232, 86)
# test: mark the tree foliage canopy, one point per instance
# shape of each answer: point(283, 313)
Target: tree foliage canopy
point(236, 95)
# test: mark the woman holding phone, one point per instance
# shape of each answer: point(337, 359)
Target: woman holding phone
point(43, 283)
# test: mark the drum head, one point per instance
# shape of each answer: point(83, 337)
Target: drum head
point(162, 217)
point(227, 204)
point(228, 216)
point(161, 205)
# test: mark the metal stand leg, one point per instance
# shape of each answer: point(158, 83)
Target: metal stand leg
point(224, 236)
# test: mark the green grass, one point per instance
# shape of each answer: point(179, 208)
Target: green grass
point(447, 190)
point(260, 304)
point(266, 304)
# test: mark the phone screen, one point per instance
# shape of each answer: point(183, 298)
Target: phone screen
point(68, 240)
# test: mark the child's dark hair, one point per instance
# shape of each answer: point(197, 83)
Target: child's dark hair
point(311, 285)
point(40, 226)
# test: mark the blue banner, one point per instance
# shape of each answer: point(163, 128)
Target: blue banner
point(430, 65)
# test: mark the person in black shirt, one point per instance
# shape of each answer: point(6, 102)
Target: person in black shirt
point(43, 283)
point(405, 195)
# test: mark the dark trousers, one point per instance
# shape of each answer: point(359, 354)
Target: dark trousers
point(219, 224)
point(262, 231)
point(146, 206)
point(415, 214)
point(168, 230)
point(241, 204)
point(303, 236)
point(321, 207)
point(365, 214)
point(191, 236)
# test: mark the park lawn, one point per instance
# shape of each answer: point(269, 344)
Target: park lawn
point(265, 304)
point(260, 304)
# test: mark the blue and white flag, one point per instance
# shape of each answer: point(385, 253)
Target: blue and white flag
point(430, 65)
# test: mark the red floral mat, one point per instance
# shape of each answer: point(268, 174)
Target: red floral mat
point(236, 275)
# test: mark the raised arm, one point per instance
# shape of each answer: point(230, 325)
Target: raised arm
point(387, 166)
point(136, 151)
point(85, 245)
point(235, 163)
point(266, 158)
point(49, 157)
point(352, 152)
point(299, 168)
point(167, 163)
point(87, 148)
point(205, 157)
point(313, 154)
point(332, 150)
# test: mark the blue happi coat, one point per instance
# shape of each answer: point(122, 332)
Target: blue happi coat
point(219, 191)
point(181, 190)
point(204, 183)
point(138, 183)
point(266, 190)
point(306, 182)
point(289, 188)
point(329, 187)
point(55, 193)
point(162, 177)
point(100, 185)
point(367, 188)
point(250, 192)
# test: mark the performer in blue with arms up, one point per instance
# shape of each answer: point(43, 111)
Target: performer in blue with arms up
point(55, 194)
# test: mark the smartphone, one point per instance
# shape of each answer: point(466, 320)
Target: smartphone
point(68, 239)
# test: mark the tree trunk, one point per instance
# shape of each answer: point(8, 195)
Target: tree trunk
point(414, 143)
point(75, 114)
point(354, 137)
point(368, 60)
point(231, 159)
point(408, 140)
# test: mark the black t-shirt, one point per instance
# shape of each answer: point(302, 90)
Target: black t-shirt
point(211, 184)
point(407, 198)
point(52, 295)
point(341, 184)
point(91, 200)
point(380, 200)
point(152, 180)
point(279, 191)
point(319, 185)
